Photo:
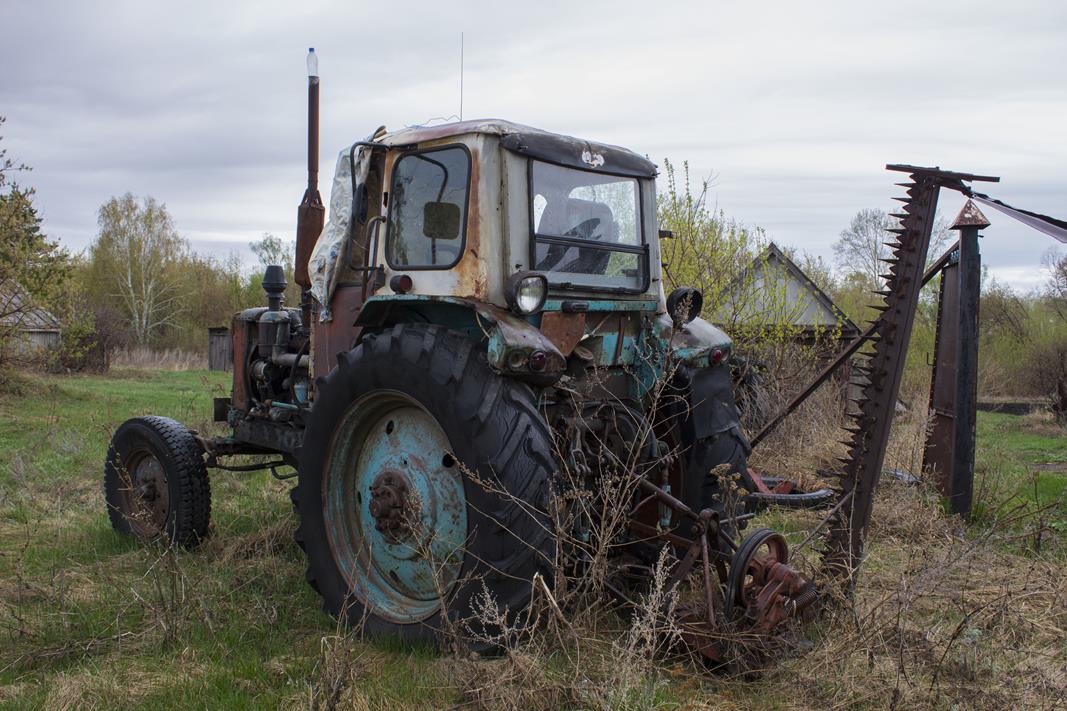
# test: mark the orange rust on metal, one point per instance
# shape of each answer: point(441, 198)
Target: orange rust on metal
point(311, 215)
point(471, 272)
point(764, 585)
point(238, 351)
point(565, 330)
point(419, 135)
point(697, 636)
point(970, 216)
point(339, 334)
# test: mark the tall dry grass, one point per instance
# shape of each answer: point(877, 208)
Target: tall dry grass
point(944, 616)
point(143, 358)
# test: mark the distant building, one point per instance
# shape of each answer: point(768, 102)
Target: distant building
point(37, 329)
point(774, 293)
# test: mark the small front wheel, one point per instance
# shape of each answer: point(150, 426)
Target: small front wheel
point(155, 482)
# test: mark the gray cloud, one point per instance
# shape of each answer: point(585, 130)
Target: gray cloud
point(794, 107)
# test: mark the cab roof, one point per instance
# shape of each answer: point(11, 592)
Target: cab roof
point(536, 143)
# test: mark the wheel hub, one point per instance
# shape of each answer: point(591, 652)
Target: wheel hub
point(396, 506)
point(389, 505)
point(148, 500)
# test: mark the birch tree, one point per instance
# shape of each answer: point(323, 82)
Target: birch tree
point(861, 247)
point(138, 255)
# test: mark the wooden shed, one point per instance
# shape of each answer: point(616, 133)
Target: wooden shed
point(773, 292)
point(38, 331)
point(219, 349)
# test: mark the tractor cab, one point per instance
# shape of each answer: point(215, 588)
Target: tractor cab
point(543, 242)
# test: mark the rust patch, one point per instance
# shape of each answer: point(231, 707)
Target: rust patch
point(340, 334)
point(564, 330)
point(239, 354)
point(470, 271)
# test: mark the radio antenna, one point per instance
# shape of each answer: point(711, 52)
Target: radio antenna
point(460, 76)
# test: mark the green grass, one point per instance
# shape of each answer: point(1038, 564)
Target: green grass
point(1020, 461)
point(91, 618)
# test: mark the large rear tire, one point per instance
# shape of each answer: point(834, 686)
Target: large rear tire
point(155, 482)
point(424, 476)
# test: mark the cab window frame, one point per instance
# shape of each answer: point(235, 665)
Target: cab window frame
point(390, 231)
point(642, 249)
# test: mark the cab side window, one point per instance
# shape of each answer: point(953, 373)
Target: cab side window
point(428, 209)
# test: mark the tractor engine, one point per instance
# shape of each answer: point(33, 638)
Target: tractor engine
point(270, 368)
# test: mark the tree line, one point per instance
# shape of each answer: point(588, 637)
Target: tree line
point(141, 285)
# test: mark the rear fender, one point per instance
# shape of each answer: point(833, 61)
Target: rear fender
point(696, 343)
point(701, 352)
point(509, 339)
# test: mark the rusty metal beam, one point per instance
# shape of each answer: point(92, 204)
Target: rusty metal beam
point(937, 452)
point(941, 175)
point(847, 533)
point(949, 451)
point(966, 371)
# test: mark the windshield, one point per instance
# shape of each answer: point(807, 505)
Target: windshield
point(587, 228)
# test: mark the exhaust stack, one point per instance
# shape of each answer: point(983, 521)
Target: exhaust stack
point(311, 213)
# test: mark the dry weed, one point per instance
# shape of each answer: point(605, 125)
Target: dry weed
point(90, 690)
point(338, 671)
point(142, 358)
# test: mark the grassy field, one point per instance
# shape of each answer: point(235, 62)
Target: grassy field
point(944, 617)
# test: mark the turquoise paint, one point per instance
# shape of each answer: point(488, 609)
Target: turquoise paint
point(692, 345)
point(597, 305)
point(609, 343)
point(401, 580)
point(650, 351)
point(701, 357)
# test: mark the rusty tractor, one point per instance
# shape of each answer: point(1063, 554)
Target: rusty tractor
point(483, 328)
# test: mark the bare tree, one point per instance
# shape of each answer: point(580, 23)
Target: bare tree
point(1046, 334)
point(138, 253)
point(273, 250)
point(1055, 290)
point(861, 247)
point(7, 165)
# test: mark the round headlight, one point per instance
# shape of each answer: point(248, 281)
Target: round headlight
point(684, 304)
point(525, 292)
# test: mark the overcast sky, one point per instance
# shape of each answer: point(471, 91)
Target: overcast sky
point(794, 107)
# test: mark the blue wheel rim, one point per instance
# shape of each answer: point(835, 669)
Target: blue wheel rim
point(388, 449)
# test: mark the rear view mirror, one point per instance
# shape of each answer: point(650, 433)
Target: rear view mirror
point(440, 220)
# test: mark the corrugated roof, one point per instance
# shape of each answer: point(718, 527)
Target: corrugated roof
point(743, 286)
point(15, 309)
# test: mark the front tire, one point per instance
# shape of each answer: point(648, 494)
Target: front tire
point(155, 482)
point(423, 477)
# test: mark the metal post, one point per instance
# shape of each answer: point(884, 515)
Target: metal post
point(940, 439)
point(968, 223)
